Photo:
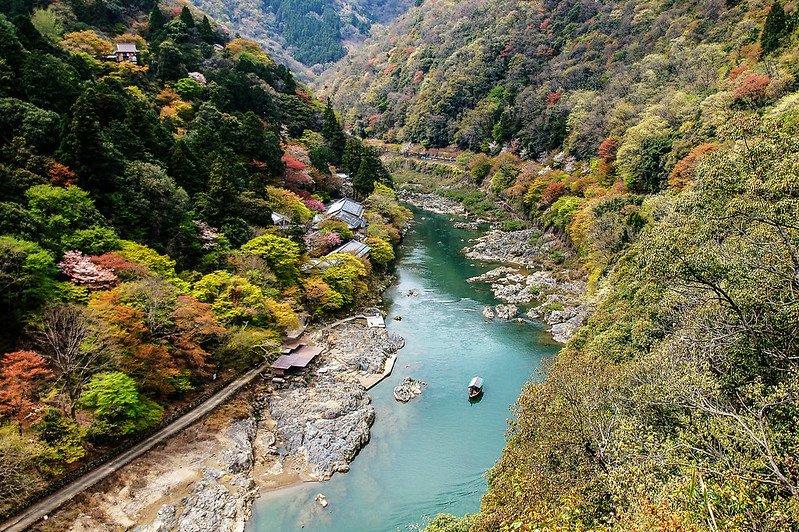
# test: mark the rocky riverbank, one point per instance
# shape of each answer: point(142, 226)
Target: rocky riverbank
point(431, 202)
point(325, 423)
point(201, 479)
point(207, 477)
point(555, 294)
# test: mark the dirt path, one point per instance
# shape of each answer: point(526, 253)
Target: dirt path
point(38, 511)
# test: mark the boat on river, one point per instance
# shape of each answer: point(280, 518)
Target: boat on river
point(475, 387)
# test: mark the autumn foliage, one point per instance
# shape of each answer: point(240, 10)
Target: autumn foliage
point(22, 376)
point(684, 171)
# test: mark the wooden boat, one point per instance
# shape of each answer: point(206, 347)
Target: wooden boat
point(475, 387)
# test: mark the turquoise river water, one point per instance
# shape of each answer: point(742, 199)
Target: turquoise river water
point(430, 455)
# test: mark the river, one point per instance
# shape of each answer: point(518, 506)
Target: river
point(430, 455)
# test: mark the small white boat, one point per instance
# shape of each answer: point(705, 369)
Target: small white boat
point(475, 387)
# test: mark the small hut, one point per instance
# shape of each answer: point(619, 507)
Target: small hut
point(297, 357)
point(126, 52)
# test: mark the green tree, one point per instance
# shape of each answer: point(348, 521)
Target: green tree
point(49, 82)
point(119, 409)
point(152, 206)
point(157, 21)
point(186, 17)
point(63, 436)
point(46, 22)
point(351, 159)
point(233, 299)
point(188, 89)
point(61, 212)
point(332, 132)
point(27, 275)
point(18, 461)
point(370, 170)
point(480, 167)
point(382, 252)
point(170, 64)
point(206, 31)
point(346, 275)
point(280, 254)
point(37, 127)
point(651, 171)
point(10, 47)
point(774, 29)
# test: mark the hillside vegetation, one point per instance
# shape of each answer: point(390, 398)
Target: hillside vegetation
point(660, 139)
point(138, 260)
point(304, 34)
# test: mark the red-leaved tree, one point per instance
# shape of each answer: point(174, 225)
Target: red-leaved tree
point(22, 376)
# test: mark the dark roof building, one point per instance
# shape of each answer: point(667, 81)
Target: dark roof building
point(299, 357)
point(346, 210)
point(280, 220)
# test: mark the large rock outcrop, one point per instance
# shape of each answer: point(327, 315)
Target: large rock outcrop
point(327, 423)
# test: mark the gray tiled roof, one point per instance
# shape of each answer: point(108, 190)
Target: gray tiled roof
point(353, 247)
point(127, 47)
point(346, 205)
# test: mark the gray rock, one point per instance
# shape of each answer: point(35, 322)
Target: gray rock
point(527, 247)
point(492, 275)
point(562, 331)
point(328, 423)
point(507, 312)
point(431, 202)
point(488, 312)
point(239, 456)
point(360, 348)
point(212, 506)
point(408, 389)
point(222, 499)
point(165, 521)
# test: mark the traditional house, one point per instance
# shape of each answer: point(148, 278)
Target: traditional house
point(346, 210)
point(280, 220)
point(353, 247)
point(126, 52)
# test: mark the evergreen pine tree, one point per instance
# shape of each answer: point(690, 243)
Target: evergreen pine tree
point(186, 18)
point(370, 170)
point(206, 31)
point(363, 182)
point(332, 132)
point(774, 28)
point(351, 159)
point(157, 20)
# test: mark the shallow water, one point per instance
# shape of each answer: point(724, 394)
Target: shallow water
point(431, 454)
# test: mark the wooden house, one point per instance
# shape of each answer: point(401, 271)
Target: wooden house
point(126, 52)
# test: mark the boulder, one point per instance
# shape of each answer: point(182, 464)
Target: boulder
point(488, 312)
point(507, 312)
point(322, 500)
point(408, 389)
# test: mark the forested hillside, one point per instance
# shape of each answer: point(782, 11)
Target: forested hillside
point(484, 73)
point(305, 34)
point(660, 139)
point(138, 258)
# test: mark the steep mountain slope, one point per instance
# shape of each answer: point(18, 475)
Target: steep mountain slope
point(304, 34)
point(549, 74)
point(660, 138)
